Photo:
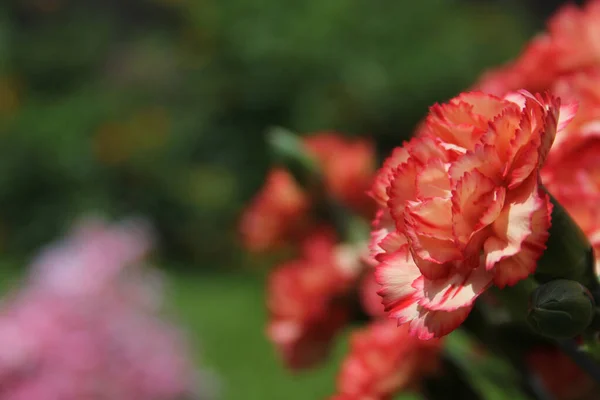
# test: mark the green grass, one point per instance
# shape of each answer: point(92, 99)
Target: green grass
point(226, 316)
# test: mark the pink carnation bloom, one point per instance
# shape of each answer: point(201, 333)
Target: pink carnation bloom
point(461, 207)
point(86, 325)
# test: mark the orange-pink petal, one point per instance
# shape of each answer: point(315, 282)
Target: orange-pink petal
point(484, 158)
point(433, 180)
point(396, 274)
point(434, 324)
point(458, 290)
point(511, 270)
point(401, 291)
point(431, 217)
point(476, 202)
point(384, 176)
point(514, 224)
point(403, 187)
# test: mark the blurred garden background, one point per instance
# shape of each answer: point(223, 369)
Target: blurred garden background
point(159, 109)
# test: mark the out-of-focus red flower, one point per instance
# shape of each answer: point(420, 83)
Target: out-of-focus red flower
point(573, 177)
point(525, 72)
point(461, 207)
point(560, 375)
point(282, 211)
point(305, 302)
point(566, 61)
point(570, 44)
point(348, 166)
point(572, 173)
point(385, 359)
point(573, 32)
point(278, 213)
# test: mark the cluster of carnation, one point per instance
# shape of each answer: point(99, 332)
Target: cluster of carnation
point(565, 60)
point(461, 207)
point(284, 213)
point(87, 324)
point(313, 297)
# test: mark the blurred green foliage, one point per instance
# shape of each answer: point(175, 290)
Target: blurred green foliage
point(160, 107)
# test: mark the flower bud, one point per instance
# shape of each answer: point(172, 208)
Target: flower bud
point(289, 150)
point(561, 309)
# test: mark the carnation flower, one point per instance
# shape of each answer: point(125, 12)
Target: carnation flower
point(570, 44)
point(310, 298)
point(277, 213)
point(572, 173)
point(573, 177)
point(348, 166)
point(566, 61)
point(86, 325)
point(283, 212)
point(462, 207)
point(303, 301)
point(384, 360)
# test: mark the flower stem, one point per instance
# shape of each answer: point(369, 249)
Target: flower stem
point(499, 340)
point(452, 381)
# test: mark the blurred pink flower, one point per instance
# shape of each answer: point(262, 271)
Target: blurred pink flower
point(86, 324)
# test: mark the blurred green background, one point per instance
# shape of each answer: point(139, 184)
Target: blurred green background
point(159, 108)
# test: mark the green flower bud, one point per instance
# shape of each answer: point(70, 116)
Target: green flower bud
point(561, 309)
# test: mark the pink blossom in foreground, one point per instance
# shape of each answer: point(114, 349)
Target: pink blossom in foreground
point(565, 60)
point(86, 325)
